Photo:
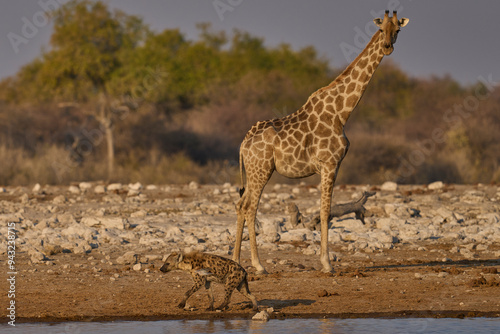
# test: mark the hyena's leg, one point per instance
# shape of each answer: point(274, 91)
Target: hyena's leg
point(210, 293)
point(228, 289)
point(199, 281)
point(245, 291)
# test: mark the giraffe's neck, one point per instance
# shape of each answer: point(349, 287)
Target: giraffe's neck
point(342, 95)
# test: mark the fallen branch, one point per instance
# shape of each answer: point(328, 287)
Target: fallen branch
point(337, 210)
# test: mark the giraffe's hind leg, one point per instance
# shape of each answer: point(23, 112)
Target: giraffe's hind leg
point(240, 224)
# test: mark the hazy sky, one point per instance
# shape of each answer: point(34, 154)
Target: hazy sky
point(456, 37)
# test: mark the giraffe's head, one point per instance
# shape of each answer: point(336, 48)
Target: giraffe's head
point(390, 26)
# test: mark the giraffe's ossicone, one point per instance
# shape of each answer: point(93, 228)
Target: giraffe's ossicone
point(310, 140)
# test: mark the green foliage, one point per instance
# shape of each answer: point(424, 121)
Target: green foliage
point(190, 102)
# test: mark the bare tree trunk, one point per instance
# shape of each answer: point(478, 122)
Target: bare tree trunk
point(110, 148)
point(105, 118)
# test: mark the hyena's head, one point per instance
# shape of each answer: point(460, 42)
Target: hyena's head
point(172, 262)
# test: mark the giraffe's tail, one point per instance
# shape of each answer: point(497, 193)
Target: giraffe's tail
point(242, 176)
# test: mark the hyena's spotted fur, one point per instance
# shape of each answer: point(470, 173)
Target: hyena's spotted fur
point(208, 268)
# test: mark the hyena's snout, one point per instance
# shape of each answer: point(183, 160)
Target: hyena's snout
point(165, 268)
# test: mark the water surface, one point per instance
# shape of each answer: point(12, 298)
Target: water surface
point(288, 326)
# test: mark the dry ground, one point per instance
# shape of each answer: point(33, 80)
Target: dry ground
point(423, 279)
point(399, 283)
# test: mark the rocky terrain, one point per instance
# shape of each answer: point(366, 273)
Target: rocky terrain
point(92, 250)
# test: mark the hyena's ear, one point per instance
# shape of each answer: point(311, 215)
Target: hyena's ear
point(179, 258)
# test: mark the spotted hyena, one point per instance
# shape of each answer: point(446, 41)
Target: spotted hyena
point(208, 268)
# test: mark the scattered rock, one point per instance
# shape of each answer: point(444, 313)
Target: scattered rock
point(193, 185)
point(36, 188)
point(435, 185)
point(100, 189)
point(84, 186)
point(261, 316)
point(128, 258)
point(323, 293)
point(90, 221)
point(74, 190)
point(115, 222)
point(61, 199)
point(115, 187)
point(140, 213)
point(135, 186)
point(36, 256)
point(389, 186)
point(24, 198)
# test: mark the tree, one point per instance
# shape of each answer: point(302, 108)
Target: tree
point(89, 47)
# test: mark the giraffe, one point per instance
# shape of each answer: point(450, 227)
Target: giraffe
point(308, 141)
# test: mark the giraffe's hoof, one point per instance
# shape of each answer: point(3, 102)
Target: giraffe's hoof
point(261, 272)
point(327, 270)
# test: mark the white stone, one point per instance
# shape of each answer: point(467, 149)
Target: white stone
point(389, 223)
point(100, 189)
point(389, 208)
point(446, 214)
point(85, 185)
point(90, 221)
point(491, 217)
point(74, 189)
point(191, 240)
point(270, 226)
point(193, 185)
point(382, 237)
point(334, 236)
point(296, 235)
point(151, 187)
point(140, 213)
point(36, 256)
point(173, 231)
point(473, 196)
point(135, 186)
point(261, 316)
point(284, 196)
point(389, 186)
point(435, 185)
point(115, 186)
point(115, 222)
point(350, 224)
point(36, 188)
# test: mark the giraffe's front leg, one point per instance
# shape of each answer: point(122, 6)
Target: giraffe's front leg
point(253, 242)
point(328, 175)
point(239, 232)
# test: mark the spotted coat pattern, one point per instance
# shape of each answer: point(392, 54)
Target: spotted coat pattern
point(208, 268)
point(308, 141)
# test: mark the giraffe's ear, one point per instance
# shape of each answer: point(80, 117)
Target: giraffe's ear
point(404, 21)
point(378, 22)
